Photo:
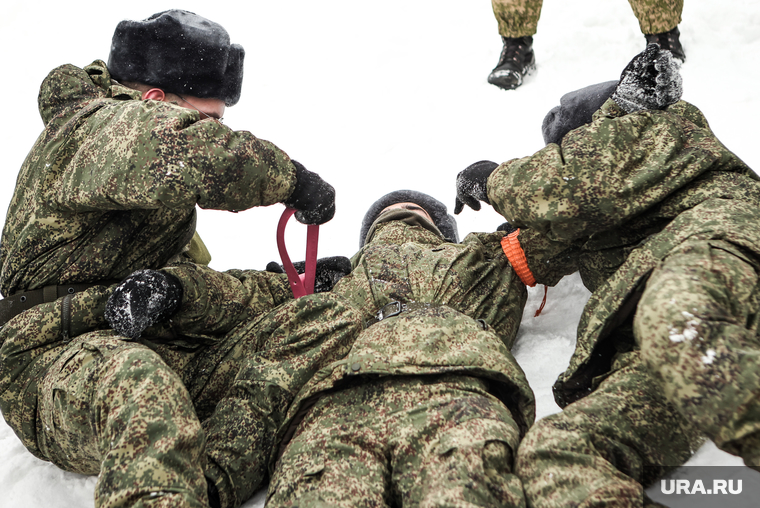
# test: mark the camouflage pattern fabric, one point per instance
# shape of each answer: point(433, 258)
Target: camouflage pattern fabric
point(605, 448)
point(99, 405)
point(619, 199)
point(131, 411)
point(657, 16)
point(518, 18)
point(110, 187)
point(112, 182)
point(402, 441)
point(697, 323)
point(317, 343)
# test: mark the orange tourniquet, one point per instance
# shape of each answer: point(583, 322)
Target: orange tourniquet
point(511, 247)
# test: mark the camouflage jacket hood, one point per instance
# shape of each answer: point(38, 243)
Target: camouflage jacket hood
point(613, 200)
point(112, 182)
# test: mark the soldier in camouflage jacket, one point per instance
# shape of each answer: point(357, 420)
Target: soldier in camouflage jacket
point(111, 186)
point(661, 220)
point(396, 388)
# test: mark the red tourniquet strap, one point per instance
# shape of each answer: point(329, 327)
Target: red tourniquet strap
point(516, 255)
point(303, 284)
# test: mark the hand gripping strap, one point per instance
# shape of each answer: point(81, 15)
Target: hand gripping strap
point(301, 285)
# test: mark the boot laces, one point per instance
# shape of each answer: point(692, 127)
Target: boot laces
point(514, 49)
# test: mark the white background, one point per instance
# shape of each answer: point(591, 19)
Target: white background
point(377, 97)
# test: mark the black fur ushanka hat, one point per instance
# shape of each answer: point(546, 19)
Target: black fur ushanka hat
point(445, 223)
point(179, 52)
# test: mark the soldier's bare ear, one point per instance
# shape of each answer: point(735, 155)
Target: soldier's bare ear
point(155, 94)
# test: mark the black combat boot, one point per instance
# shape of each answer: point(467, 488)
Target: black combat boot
point(516, 60)
point(670, 41)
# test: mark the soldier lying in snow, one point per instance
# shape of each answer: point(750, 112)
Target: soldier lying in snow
point(396, 388)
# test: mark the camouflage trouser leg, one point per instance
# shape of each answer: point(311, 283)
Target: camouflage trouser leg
point(402, 441)
point(114, 408)
point(296, 340)
point(595, 452)
point(517, 18)
point(697, 324)
point(657, 16)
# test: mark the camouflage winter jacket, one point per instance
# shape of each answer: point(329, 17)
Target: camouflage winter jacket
point(613, 200)
point(458, 284)
point(112, 182)
point(449, 288)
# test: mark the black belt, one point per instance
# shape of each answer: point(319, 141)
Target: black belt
point(24, 300)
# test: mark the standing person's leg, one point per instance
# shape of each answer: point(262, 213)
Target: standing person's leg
point(604, 449)
point(659, 20)
point(113, 408)
point(517, 18)
point(697, 323)
point(518, 22)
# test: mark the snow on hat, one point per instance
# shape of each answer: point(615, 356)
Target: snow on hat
point(180, 52)
point(575, 109)
point(437, 210)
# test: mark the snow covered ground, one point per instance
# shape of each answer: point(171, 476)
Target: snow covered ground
point(378, 97)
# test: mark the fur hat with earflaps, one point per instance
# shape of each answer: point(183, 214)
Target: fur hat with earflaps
point(445, 223)
point(179, 52)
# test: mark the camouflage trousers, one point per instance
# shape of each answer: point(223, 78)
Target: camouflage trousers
point(154, 421)
point(697, 323)
point(519, 18)
point(98, 404)
point(604, 449)
point(402, 441)
point(114, 408)
point(292, 342)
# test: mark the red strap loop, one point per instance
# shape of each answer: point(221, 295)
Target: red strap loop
point(303, 284)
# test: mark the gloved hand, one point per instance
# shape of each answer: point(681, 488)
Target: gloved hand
point(506, 227)
point(143, 299)
point(472, 185)
point(312, 197)
point(329, 271)
point(650, 81)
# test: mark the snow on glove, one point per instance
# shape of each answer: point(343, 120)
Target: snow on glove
point(650, 81)
point(312, 197)
point(143, 299)
point(472, 185)
point(329, 271)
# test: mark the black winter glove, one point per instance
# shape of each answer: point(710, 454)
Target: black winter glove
point(650, 81)
point(472, 185)
point(507, 228)
point(312, 197)
point(329, 271)
point(143, 299)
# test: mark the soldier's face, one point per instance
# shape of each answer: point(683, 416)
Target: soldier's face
point(208, 108)
point(414, 207)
